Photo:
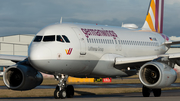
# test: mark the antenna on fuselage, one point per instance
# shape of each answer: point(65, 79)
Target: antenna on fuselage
point(61, 20)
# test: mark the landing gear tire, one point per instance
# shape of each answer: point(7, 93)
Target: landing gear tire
point(157, 92)
point(70, 91)
point(146, 91)
point(62, 94)
point(62, 91)
point(56, 94)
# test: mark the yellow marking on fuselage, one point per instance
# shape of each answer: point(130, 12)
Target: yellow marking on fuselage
point(66, 51)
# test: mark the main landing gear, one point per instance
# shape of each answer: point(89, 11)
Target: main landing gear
point(146, 92)
point(62, 91)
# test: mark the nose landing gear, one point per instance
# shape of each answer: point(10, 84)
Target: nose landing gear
point(62, 91)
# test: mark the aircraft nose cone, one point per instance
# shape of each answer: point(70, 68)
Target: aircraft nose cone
point(39, 53)
point(39, 56)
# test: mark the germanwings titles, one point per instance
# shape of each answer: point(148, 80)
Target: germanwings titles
point(84, 50)
point(95, 32)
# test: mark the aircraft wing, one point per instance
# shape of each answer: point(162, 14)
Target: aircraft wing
point(174, 56)
point(131, 61)
point(128, 60)
point(172, 43)
point(14, 58)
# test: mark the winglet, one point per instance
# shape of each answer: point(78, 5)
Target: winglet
point(154, 18)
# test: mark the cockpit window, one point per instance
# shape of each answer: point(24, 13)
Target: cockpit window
point(66, 39)
point(59, 38)
point(38, 38)
point(49, 38)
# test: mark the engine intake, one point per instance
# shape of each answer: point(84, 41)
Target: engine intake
point(22, 77)
point(157, 75)
point(14, 77)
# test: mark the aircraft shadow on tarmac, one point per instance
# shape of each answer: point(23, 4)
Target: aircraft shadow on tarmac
point(83, 94)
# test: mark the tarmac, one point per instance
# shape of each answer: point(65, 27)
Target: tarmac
point(167, 95)
point(170, 95)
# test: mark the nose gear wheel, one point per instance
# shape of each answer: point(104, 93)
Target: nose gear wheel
point(62, 90)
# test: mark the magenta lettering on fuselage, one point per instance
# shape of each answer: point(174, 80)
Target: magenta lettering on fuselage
point(96, 32)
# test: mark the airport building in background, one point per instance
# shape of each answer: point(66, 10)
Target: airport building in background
point(18, 45)
point(13, 45)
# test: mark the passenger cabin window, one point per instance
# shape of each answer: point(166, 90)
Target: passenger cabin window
point(38, 39)
point(59, 38)
point(49, 38)
point(66, 39)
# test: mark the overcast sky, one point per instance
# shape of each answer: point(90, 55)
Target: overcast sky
point(29, 16)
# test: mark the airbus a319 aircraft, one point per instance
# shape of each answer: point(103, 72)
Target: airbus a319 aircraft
point(84, 50)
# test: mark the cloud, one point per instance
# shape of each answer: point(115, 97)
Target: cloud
point(27, 16)
point(171, 2)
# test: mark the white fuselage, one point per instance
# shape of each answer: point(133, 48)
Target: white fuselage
point(88, 44)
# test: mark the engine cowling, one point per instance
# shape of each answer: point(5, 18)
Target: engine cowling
point(157, 75)
point(22, 77)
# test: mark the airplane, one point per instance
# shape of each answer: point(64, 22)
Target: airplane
point(86, 50)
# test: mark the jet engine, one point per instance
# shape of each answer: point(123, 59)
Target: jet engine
point(157, 75)
point(22, 77)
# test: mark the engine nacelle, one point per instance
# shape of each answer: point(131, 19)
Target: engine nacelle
point(157, 75)
point(22, 77)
